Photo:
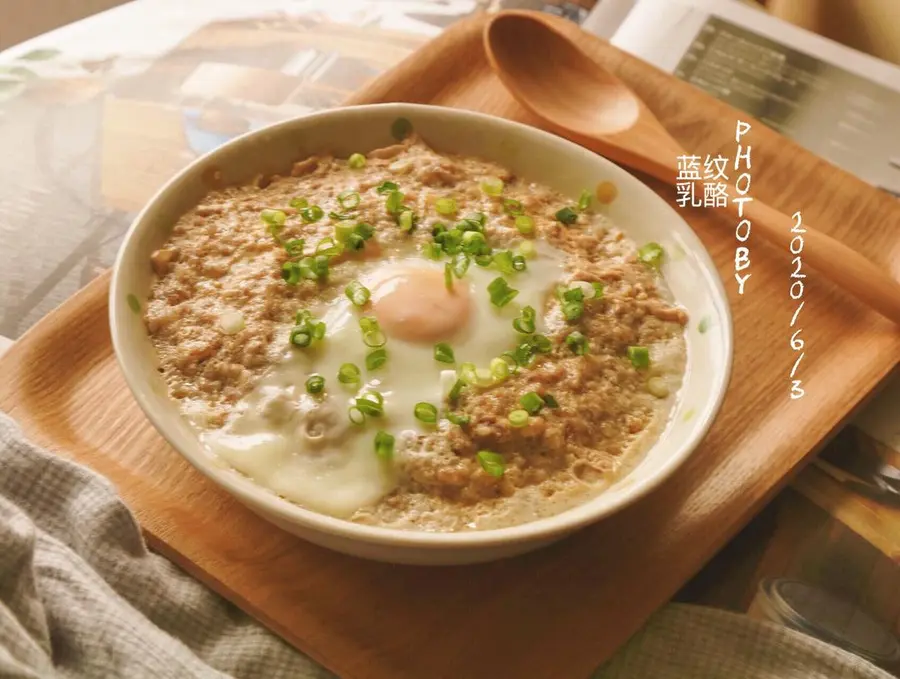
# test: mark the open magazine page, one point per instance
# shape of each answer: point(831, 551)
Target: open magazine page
point(838, 103)
point(822, 557)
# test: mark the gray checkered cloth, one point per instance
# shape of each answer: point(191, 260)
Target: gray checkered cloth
point(80, 596)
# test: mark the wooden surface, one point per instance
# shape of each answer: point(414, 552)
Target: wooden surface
point(560, 612)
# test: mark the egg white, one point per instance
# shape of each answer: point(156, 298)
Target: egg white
point(340, 478)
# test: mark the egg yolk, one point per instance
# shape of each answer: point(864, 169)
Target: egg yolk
point(415, 305)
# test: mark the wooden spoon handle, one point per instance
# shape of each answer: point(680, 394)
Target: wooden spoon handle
point(840, 263)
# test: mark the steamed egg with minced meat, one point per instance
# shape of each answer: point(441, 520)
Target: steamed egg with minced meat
point(316, 449)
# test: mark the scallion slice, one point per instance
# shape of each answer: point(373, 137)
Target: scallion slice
point(348, 374)
point(566, 215)
point(406, 220)
point(386, 187)
point(384, 445)
point(301, 337)
point(458, 419)
point(291, 272)
point(298, 203)
point(377, 358)
point(492, 463)
point(503, 260)
point(394, 202)
point(294, 247)
point(499, 369)
point(541, 344)
point(357, 161)
point(460, 264)
point(525, 322)
point(357, 293)
point(651, 254)
point(598, 290)
point(467, 373)
point(432, 250)
point(328, 247)
point(518, 418)
point(577, 342)
point(371, 404)
point(313, 213)
point(356, 416)
point(492, 186)
point(448, 275)
point(355, 242)
point(525, 224)
point(513, 207)
point(584, 200)
point(425, 412)
point(532, 402)
point(364, 230)
point(348, 200)
point(456, 391)
point(639, 357)
point(445, 206)
point(315, 384)
point(443, 353)
point(550, 402)
point(527, 249)
point(500, 292)
point(272, 218)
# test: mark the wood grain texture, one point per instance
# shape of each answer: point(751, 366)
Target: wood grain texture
point(559, 612)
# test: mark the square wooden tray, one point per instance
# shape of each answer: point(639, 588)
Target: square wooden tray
point(560, 612)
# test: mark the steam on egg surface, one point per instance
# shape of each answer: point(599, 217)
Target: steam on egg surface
point(305, 447)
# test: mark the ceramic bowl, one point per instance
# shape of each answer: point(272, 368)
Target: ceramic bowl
point(528, 152)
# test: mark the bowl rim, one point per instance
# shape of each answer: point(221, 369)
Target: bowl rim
point(259, 497)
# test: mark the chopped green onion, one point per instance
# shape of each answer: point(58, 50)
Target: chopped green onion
point(524, 224)
point(401, 129)
point(476, 218)
point(348, 374)
point(455, 392)
point(518, 418)
point(532, 402)
point(384, 445)
point(448, 275)
point(371, 403)
point(499, 369)
point(376, 359)
point(449, 240)
point(484, 261)
point(407, 220)
point(639, 357)
point(518, 263)
point(355, 242)
point(703, 326)
point(492, 186)
point(584, 200)
point(527, 249)
point(541, 344)
point(525, 322)
point(357, 293)
point(318, 266)
point(443, 353)
point(567, 215)
point(133, 303)
point(460, 264)
point(356, 161)
point(472, 240)
point(484, 377)
point(356, 415)
point(273, 218)
point(425, 412)
point(513, 207)
point(467, 373)
point(550, 402)
point(318, 330)
point(394, 202)
point(328, 247)
point(301, 337)
point(374, 339)
point(364, 230)
point(500, 292)
point(291, 272)
point(651, 254)
point(368, 324)
point(523, 354)
point(598, 290)
point(299, 203)
point(573, 303)
point(294, 247)
point(313, 213)
point(460, 420)
point(445, 206)
point(315, 384)
point(577, 342)
point(386, 187)
point(510, 359)
point(348, 200)
point(432, 250)
point(492, 463)
point(503, 260)
point(340, 216)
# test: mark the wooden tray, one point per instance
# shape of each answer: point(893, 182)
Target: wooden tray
point(560, 612)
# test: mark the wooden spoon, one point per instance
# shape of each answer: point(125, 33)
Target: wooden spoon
point(576, 97)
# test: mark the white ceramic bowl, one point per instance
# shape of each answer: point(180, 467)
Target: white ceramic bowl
point(528, 152)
